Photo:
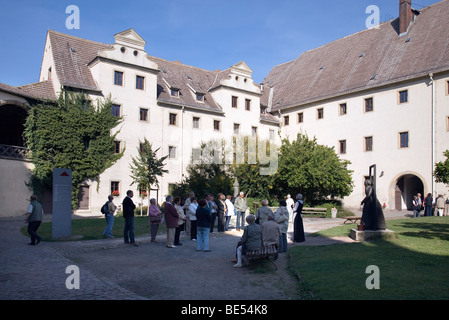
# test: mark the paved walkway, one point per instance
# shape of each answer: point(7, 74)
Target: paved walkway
point(111, 270)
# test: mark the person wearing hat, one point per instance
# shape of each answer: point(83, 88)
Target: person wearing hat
point(34, 217)
point(298, 227)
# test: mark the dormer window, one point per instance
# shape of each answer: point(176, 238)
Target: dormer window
point(199, 96)
point(175, 92)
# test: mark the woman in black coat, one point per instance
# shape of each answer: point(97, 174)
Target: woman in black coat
point(298, 227)
point(221, 212)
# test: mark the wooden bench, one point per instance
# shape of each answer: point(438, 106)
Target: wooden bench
point(352, 219)
point(317, 211)
point(266, 252)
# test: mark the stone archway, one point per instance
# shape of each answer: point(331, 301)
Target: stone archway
point(405, 187)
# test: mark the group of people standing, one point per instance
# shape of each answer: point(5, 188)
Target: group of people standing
point(197, 218)
point(430, 207)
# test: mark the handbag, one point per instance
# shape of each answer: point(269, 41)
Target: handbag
point(156, 219)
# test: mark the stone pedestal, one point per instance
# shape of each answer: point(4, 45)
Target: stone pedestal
point(367, 235)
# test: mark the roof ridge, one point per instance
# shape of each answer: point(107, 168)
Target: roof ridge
point(180, 64)
point(78, 38)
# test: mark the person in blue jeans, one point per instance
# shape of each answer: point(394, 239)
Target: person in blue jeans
point(109, 218)
point(204, 219)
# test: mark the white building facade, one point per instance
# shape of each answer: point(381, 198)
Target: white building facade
point(380, 96)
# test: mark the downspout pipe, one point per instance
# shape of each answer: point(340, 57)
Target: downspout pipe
point(432, 125)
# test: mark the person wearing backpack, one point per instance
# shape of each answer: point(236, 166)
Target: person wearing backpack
point(108, 210)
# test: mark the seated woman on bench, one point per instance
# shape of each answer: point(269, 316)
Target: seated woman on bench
point(251, 239)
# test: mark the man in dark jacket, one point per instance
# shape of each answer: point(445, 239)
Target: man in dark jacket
point(128, 214)
point(171, 220)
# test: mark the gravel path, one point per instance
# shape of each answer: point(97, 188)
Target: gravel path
point(111, 270)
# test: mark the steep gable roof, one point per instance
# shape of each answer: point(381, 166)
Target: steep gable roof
point(364, 60)
point(71, 56)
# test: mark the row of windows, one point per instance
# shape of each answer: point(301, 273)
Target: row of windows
point(173, 121)
point(235, 103)
point(119, 80)
point(403, 142)
point(343, 108)
point(177, 93)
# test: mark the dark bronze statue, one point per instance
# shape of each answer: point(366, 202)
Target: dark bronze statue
point(372, 216)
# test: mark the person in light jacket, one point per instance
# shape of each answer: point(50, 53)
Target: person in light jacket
point(240, 207)
point(282, 217)
point(192, 216)
point(155, 217)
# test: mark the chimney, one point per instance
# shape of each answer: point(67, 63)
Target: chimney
point(405, 15)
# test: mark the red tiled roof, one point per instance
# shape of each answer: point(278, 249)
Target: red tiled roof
point(42, 90)
point(71, 56)
point(367, 59)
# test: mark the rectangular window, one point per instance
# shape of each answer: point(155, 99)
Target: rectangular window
point(174, 92)
point(300, 117)
point(236, 128)
point(171, 152)
point(172, 119)
point(320, 113)
point(217, 125)
point(234, 101)
point(140, 82)
point(196, 123)
point(447, 123)
point(143, 114)
point(342, 146)
point(403, 96)
point(271, 134)
point(368, 143)
point(247, 104)
point(403, 137)
point(115, 187)
point(369, 105)
point(118, 78)
point(117, 146)
point(254, 131)
point(343, 109)
point(116, 110)
point(286, 120)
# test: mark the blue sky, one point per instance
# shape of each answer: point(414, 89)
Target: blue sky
point(207, 34)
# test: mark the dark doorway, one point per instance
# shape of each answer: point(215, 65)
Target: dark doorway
point(406, 187)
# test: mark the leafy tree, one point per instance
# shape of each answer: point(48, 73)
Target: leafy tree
point(251, 178)
point(146, 168)
point(208, 171)
point(70, 134)
point(311, 169)
point(441, 172)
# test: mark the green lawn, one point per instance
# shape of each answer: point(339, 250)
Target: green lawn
point(92, 229)
point(412, 266)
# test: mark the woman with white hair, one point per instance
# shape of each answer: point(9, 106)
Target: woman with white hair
point(298, 227)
